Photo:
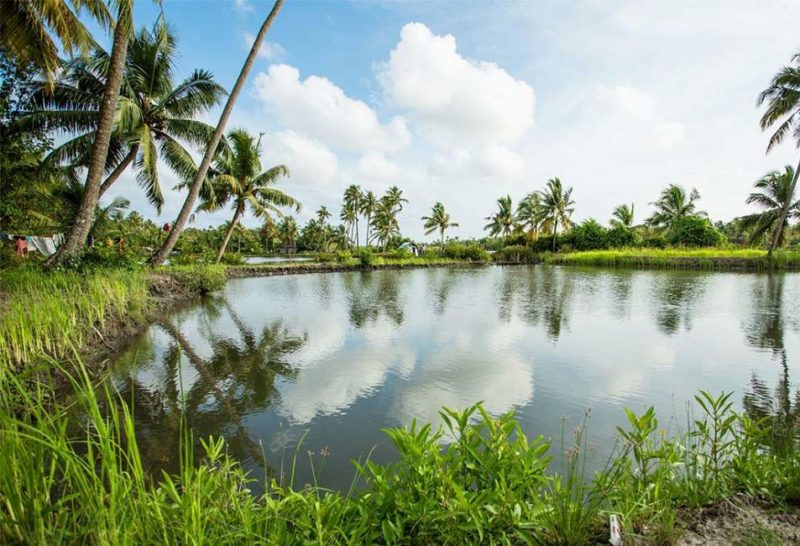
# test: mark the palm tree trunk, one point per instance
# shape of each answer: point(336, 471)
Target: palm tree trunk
point(119, 169)
point(211, 149)
point(229, 232)
point(441, 242)
point(356, 232)
point(82, 223)
point(784, 213)
point(555, 233)
point(366, 239)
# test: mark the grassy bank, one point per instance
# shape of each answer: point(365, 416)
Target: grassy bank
point(491, 485)
point(55, 313)
point(348, 264)
point(702, 258)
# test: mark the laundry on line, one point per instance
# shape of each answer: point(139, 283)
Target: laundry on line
point(45, 245)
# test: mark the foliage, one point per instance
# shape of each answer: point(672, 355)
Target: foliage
point(466, 251)
point(197, 279)
point(477, 479)
point(695, 258)
point(694, 231)
point(776, 194)
point(502, 221)
point(589, 235)
point(515, 253)
point(622, 237)
point(673, 204)
point(365, 256)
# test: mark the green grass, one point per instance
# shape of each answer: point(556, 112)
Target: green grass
point(701, 258)
point(54, 312)
point(81, 481)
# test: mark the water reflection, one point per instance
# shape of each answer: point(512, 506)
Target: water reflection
point(779, 409)
point(339, 356)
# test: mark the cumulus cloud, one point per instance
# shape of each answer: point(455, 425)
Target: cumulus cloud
point(452, 98)
point(317, 107)
point(310, 162)
point(667, 135)
point(375, 166)
point(628, 100)
point(490, 161)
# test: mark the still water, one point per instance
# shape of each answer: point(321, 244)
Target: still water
point(330, 359)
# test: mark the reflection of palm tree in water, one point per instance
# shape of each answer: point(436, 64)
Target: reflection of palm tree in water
point(240, 376)
point(676, 293)
point(546, 299)
point(366, 300)
point(767, 331)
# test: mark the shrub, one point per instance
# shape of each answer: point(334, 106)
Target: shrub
point(365, 256)
point(657, 241)
point(514, 253)
point(461, 251)
point(694, 231)
point(545, 243)
point(232, 258)
point(589, 235)
point(621, 237)
point(199, 279)
point(106, 257)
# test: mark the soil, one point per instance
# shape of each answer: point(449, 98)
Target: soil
point(741, 521)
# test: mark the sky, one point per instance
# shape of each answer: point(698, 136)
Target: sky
point(464, 102)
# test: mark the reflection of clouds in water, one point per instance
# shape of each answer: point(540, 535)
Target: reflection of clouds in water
point(331, 385)
point(457, 381)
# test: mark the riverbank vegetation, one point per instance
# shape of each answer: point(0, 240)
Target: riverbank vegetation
point(478, 479)
point(702, 258)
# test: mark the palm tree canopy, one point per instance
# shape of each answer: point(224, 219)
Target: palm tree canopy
point(27, 27)
point(438, 220)
point(775, 191)
point(557, 205)
point(783, 104)
point(237, 178)
point(502, 221)
point(530, 213)
point(674, 203)
point(622, 216)
point(154, 116)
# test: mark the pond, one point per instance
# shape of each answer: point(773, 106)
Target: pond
point(324, 361)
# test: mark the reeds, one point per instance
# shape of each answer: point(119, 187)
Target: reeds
point(676, 258)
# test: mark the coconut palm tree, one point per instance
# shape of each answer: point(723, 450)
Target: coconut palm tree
point(349, 216)
point(530, 215)
point(82, 222)
point(394, 198)
point(438, 220)
point(322, 215)
point(774, 197)
point(368, 204)
point(673, 204)
point(288, 233)
point(783, 107)
point(384, 222)
point(622, 216)
point(154, 115)
point(502, 221)
point(211, 149)
point(27, 29)
point(557, 206)
point(351, 207)
point(237, 178)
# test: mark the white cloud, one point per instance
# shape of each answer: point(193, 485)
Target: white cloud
point(269, 51)
point(375, 166)
point(309, 161)
point(667, 135)
point(628, 100)
point(452, 98)
point(317, 107)
point(242, 6)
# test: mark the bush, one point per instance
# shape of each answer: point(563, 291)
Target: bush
point(515, 253)
point(694, 231)
point(198, 279)
point(471, 252)
point(656, 241)
point(105, 257)
point(231, 258)
point(589, 235)
point(365, 256)
point(545, 243)
point(621, 237)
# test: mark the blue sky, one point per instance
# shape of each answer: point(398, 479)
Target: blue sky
point(462, 102)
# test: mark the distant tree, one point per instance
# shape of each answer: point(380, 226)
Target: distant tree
point(774, 197)
point(237, 179)
point(558, 207)
point(368, 205)
point(783, 107)
point(322, 215)
point(622, 216)
point(384, 223)
point(501, 222)
point(673, 204)
point(288, 232)
point(530, 215)
point(351, 207)
point(438, 220)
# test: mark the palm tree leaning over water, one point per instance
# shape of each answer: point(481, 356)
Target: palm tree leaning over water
point(783, 107)
point(774, 197)
point(622, 216)
point(153, 115)
point(502, 221)
point(438, 220)
point(237, 178)
point(674, 204)
point(216, 137)
point(558, 206)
